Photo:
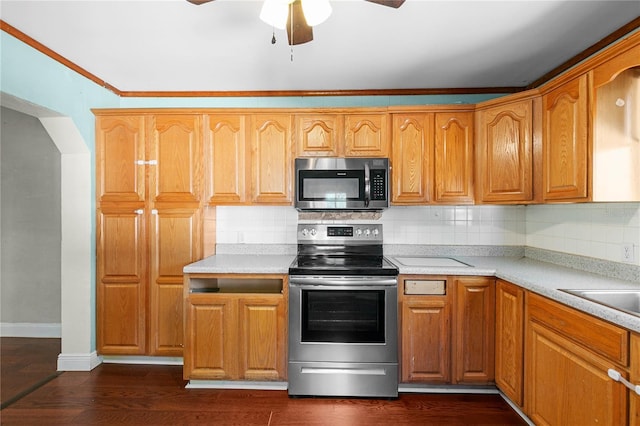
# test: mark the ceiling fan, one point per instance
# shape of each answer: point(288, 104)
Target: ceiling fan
point(298, 30)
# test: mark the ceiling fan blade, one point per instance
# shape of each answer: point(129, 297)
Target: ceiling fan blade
point(391, 3)
point(298, 31)
point(197, 2)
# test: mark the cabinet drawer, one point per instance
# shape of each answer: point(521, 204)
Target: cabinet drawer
point(425, 287)
point(594, 334)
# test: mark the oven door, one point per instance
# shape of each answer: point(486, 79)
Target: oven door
point(343, 319)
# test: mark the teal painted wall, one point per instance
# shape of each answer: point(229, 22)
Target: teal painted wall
point(32, 76)
point(303, 101)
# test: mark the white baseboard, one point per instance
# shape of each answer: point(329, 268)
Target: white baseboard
point(419, 388)
point(27, 329)
point(78, 362)
point(143, 360)
point(224, 384)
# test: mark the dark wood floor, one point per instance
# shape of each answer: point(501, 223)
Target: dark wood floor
point(115, 394)
point(24, 364)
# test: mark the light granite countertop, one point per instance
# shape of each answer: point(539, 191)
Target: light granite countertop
point(534, 275)
point(543, 278)
point(241, 264)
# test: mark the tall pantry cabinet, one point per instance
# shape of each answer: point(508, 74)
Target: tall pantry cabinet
point(149, 175)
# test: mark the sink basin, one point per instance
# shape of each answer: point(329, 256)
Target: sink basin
point(623, 300)
point(442, 262)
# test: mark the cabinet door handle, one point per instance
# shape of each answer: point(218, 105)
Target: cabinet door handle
point(618, 378)
point(139, 211)
point(154, 211)
point(147, 163)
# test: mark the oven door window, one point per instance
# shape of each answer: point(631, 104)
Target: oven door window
point(343, 316)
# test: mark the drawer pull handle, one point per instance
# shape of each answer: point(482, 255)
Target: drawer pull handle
point(618, 378)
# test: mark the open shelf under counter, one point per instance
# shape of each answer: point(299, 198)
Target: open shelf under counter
point(231, 285)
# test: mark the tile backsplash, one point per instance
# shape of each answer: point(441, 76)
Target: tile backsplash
point(598, 230)
point(448, 225)
point(593, 229)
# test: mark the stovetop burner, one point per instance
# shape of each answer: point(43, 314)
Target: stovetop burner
point(323, 265)
point(345, 250)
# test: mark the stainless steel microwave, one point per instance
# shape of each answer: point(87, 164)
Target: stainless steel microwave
point(329, 183)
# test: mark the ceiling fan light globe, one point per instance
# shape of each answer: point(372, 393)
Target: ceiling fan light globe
point(316, 11)
point(275, 12)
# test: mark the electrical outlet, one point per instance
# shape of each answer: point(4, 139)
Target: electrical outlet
point(627, 253)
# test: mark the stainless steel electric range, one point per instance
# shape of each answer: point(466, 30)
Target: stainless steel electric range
point(342, 314)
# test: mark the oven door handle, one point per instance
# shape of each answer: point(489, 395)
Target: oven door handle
point(324, 281)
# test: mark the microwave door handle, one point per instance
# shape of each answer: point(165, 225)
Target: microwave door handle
point(367, 185)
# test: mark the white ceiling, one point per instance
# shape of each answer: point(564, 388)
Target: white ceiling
point(173, 45)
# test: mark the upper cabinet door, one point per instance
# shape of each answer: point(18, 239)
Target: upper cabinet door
point(271, 158)
point(176, 147)
point(120, 154)
point(319, 135)
point(505, 153)
point(453, 161)
point(366, 135)
point(565, 142)
point(226, 175)
point(412, 151)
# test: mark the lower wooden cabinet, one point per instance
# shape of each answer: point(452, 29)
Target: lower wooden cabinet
point(634, 399)
point(447, 329)
point(510, 341)
point(426, 335)
point(235, 335)
point(566, 367)
point(474, 332)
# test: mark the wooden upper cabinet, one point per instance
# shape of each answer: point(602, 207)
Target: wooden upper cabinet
point(504, 153)
point(226, 159)
point(120, 150)
point(410, 159)
point(319, 135)
point(616, 151)
point(342, 135)
point(565, 142)
point(453, 161)
point(366, 135)
point(176, 146)
point(271, 160)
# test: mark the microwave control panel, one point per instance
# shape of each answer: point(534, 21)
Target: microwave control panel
point(378, 185)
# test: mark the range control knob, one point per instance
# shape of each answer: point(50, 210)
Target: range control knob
point(367, 232)
point(313, 232)
point(358, 232)
point(304, 232)
point(375, 232)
